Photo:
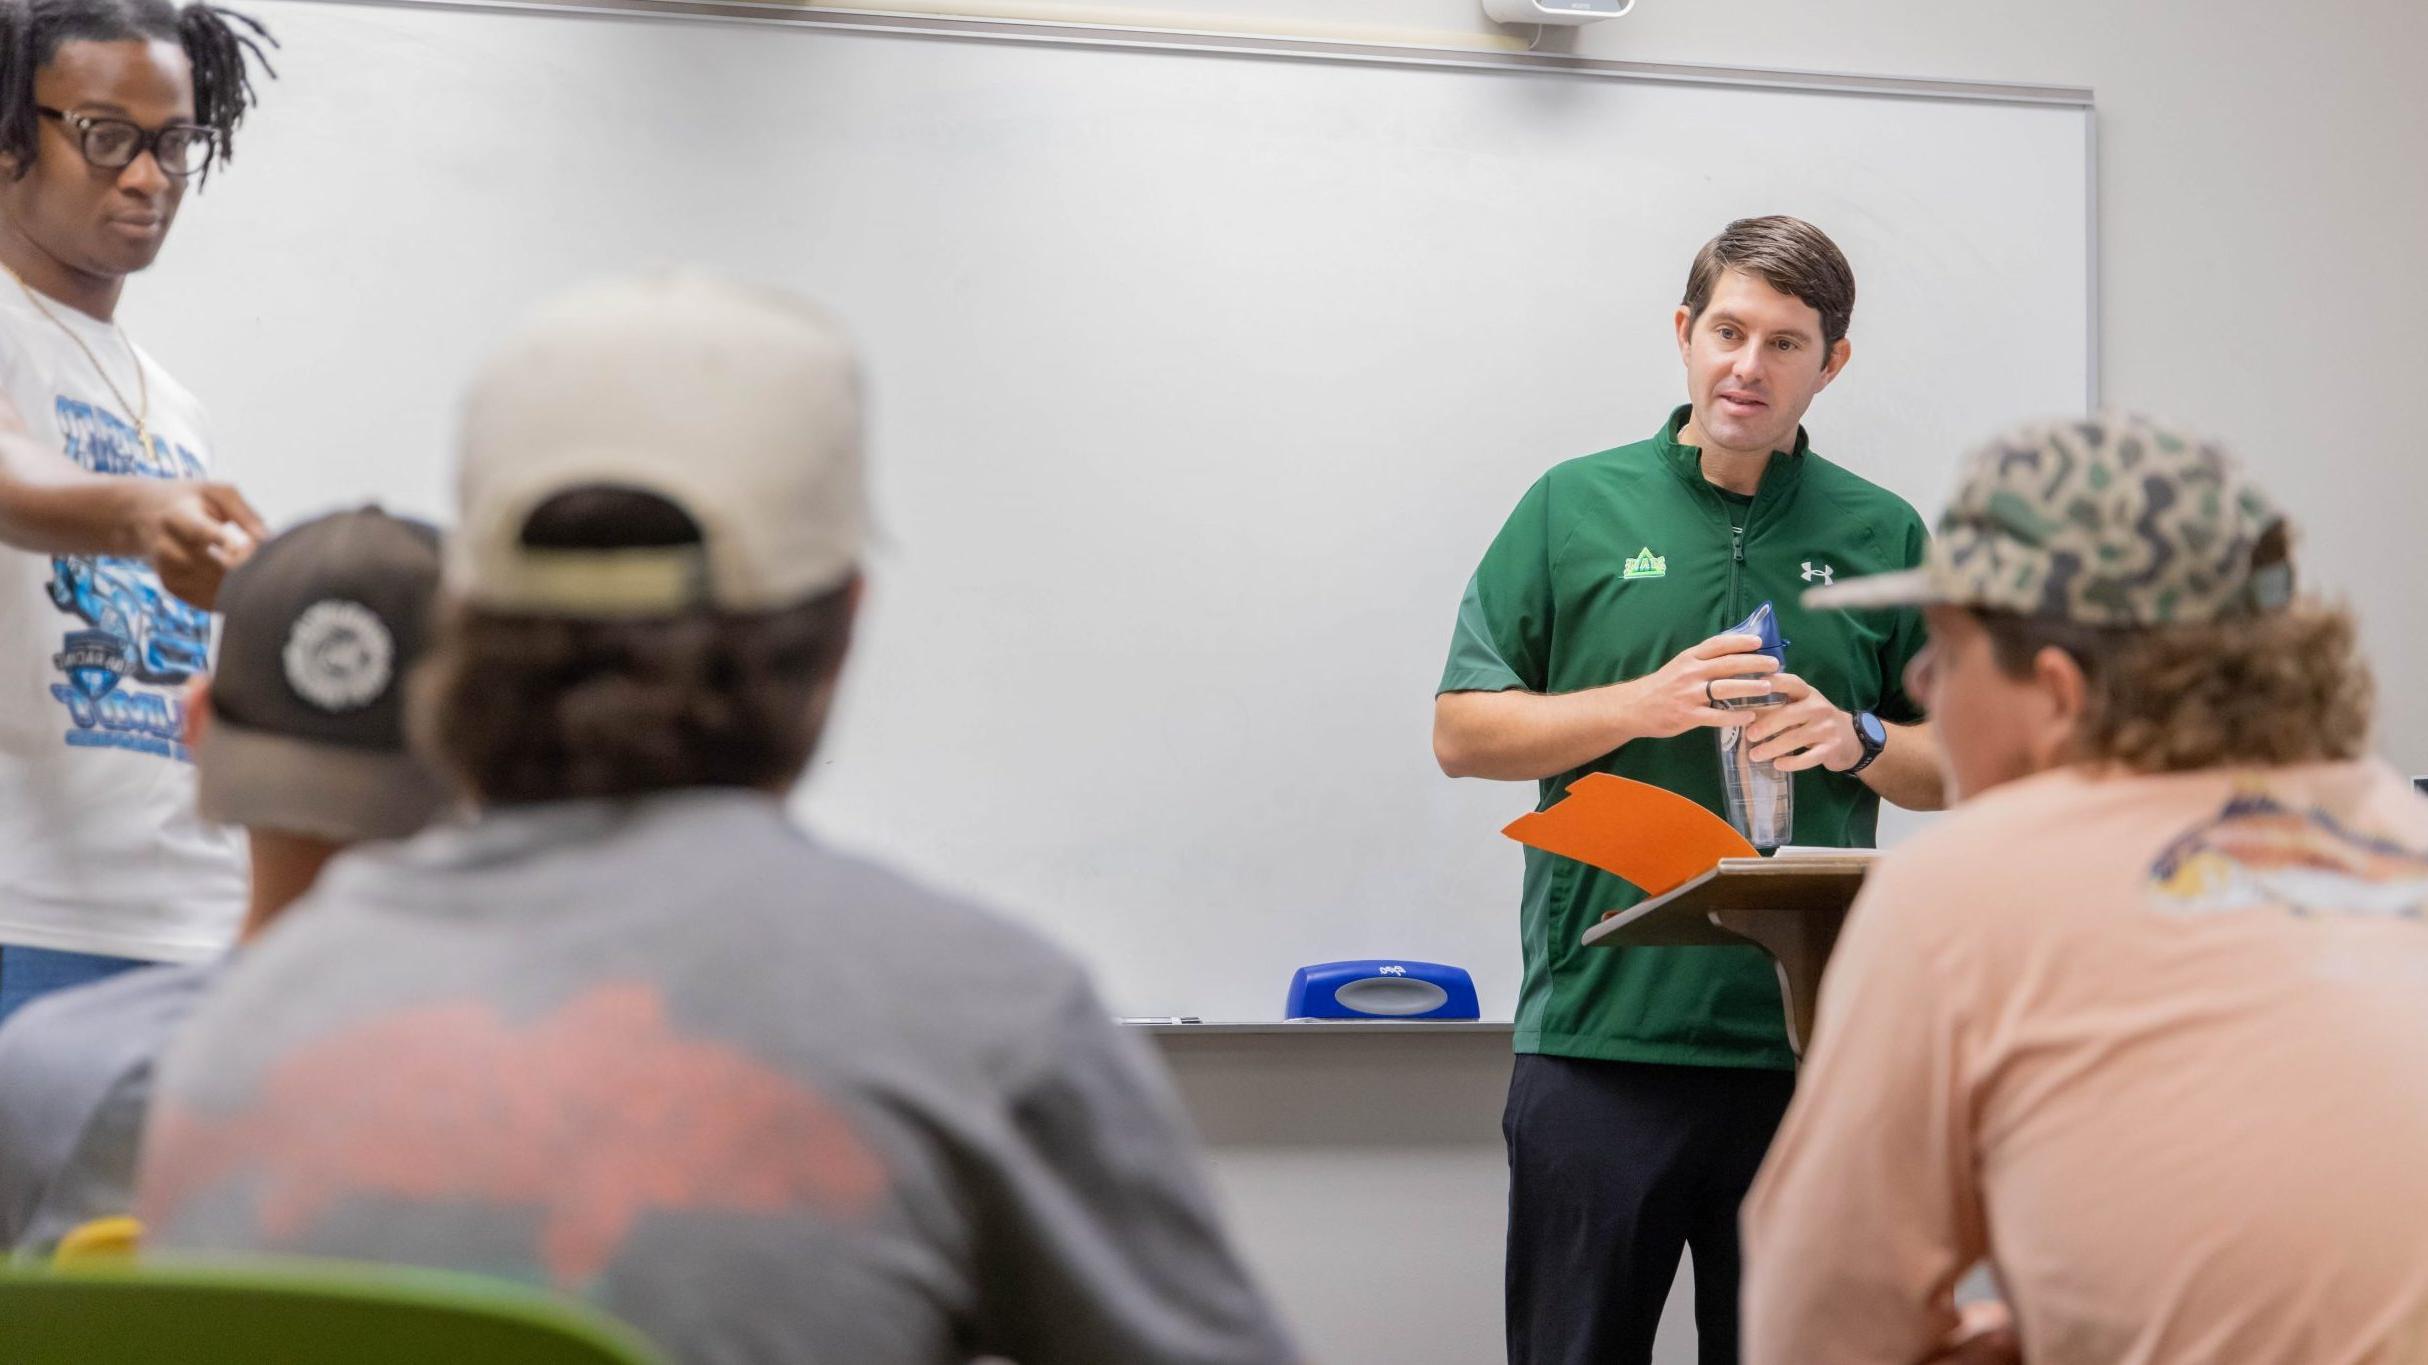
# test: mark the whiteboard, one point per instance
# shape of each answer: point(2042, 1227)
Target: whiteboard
point(1199, 384)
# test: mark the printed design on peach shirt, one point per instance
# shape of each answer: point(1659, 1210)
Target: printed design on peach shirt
point(596, 1114)
point(2260, 853)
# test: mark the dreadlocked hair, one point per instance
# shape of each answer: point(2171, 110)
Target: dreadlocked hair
point(220, 44)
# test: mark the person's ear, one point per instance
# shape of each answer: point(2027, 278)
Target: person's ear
point(854, 593)
point(197, 720)
point(1838, 356)
point(851, 605)
point(2061, 696)
point(1922, 675)
point(1686, 331)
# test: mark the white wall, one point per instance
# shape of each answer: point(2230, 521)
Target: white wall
point(2263, 224)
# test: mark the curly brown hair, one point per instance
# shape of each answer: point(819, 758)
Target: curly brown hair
point(2282, 688)
point(523, 708)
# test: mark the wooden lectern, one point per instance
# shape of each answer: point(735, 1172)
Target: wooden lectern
point(1707, 886)
point(1791, 907)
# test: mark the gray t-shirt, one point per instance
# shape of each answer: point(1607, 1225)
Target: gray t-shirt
point(762, 1101)
point(75, 1080)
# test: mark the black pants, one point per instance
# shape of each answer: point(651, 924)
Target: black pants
point(1613, 1168)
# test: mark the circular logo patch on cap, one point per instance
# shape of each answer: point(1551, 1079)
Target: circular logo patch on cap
point(340, 656)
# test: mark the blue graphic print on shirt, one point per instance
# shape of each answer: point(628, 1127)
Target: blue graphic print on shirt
point(124, 667)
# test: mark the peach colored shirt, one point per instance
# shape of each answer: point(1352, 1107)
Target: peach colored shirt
point(2155, 1046)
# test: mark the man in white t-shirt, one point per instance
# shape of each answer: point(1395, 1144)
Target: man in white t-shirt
point(115, 537)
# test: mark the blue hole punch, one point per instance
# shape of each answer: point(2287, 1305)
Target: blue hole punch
point(1381, 988)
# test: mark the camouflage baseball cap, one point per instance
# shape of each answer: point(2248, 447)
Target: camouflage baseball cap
point(2112, 520)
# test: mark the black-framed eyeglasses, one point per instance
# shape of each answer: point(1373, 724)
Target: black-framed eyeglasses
point(113, 143)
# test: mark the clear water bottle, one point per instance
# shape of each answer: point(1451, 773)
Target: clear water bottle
point(1761, 799)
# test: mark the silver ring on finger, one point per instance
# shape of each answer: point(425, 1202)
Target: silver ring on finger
point(1708, 698)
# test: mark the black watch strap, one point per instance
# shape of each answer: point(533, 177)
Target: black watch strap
point(1871, 748)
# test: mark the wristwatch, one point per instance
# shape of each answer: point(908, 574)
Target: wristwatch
point(1872, 735)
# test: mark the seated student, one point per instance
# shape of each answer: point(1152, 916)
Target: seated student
point(299, 739)
point(2145, 1021)
point(632, 1033)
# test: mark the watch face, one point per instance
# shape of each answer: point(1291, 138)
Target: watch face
point(1874, 733)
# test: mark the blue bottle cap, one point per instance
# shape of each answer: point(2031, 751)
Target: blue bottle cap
point(1764, 623)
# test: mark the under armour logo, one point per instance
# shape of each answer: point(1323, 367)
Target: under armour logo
point(1825, 573)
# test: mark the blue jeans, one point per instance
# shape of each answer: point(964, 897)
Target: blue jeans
point(29, 972)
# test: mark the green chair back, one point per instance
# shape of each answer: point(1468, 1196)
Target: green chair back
point(295, 1312)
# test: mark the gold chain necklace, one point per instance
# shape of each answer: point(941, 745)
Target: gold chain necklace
point(142, 411)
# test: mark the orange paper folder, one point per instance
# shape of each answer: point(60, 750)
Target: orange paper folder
point(1654, 839)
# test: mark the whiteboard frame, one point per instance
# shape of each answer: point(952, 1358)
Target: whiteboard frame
point(1056, 33)
point(1063, 33)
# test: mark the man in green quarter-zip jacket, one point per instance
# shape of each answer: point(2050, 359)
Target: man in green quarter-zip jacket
point(1649, 1080)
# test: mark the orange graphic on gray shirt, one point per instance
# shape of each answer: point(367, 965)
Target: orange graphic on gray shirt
point(596, 1114)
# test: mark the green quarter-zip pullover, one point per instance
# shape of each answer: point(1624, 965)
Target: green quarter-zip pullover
point(1612, 565)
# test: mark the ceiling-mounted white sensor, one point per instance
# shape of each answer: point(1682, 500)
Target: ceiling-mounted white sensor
point(1556, 11)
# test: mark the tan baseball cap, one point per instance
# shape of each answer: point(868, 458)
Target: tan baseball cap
point(739, 404)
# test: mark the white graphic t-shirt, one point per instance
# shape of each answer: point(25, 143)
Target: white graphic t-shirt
point(100, 848)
